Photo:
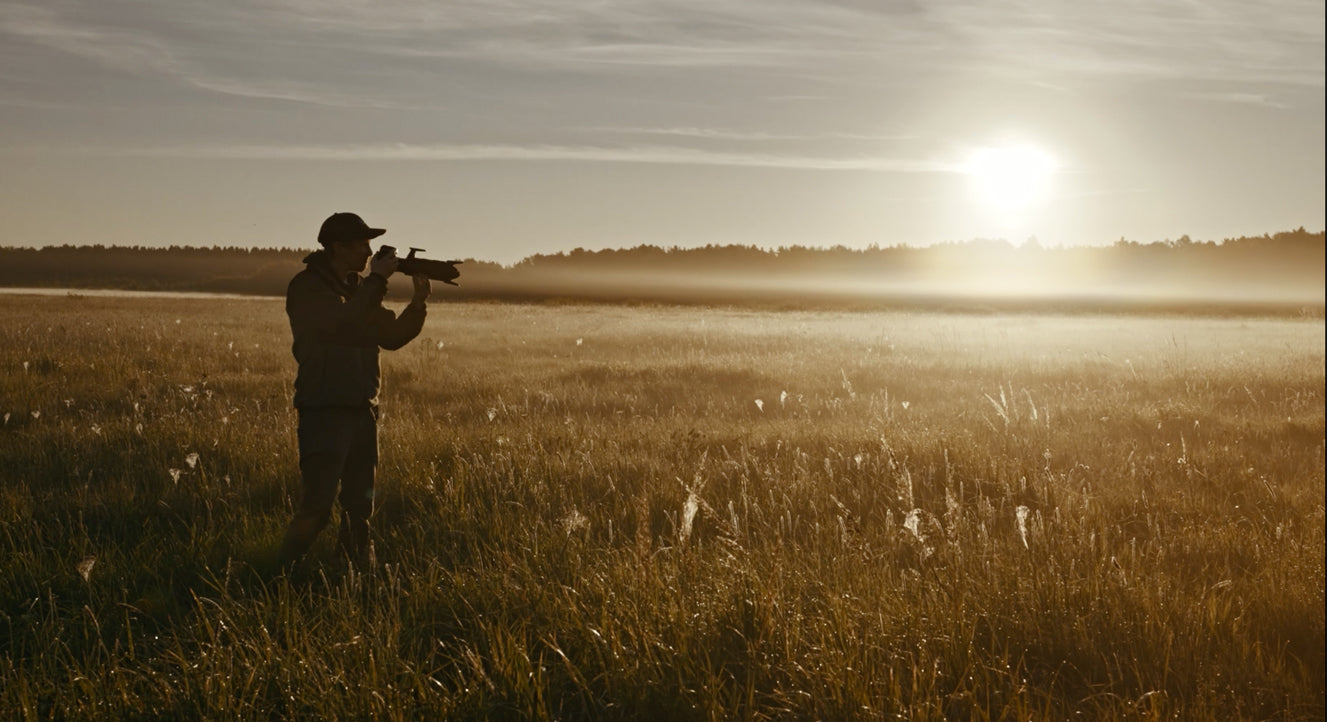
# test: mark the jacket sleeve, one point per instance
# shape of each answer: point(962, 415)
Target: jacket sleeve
point(318, 311)
point(397, 331)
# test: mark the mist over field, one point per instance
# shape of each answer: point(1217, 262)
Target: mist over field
point(1282, 272)
point(650, 512)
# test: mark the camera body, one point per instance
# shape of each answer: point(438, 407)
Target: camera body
point(411, 265)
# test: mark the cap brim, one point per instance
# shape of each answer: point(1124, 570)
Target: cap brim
point(371, 233)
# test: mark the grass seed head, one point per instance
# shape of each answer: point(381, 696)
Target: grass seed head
point(85, 567)
point(574, 521)
point(1022, 513)
point(913, 523)
point(689, 509)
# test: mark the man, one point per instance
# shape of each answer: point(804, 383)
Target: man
point(339, 323)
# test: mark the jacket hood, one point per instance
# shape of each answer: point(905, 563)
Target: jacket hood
point(320, 261)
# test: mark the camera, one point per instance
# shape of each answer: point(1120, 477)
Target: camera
point(411, 265)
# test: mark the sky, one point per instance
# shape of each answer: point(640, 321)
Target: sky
point(497, 129)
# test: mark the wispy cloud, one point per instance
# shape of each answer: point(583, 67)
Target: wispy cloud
point(1260, 99)
point(1278, 41)
point(144, 54)
point(113, 48)
point(296, 50)
point(658, 155)
point(753, 136)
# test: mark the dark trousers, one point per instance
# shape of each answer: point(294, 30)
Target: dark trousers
point(338, 447)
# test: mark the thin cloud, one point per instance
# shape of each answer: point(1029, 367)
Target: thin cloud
point(1263, 42)
point(143, 54)
point(115, 49)
point(657, 155)
point(797, 46)
point(1279, 41)
point(720, 134)
point(311, 96)
point(1259, 99)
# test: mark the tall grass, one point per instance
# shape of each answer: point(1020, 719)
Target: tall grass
point(584, 513)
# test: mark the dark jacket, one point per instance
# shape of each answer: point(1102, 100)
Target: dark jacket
point(338, 325)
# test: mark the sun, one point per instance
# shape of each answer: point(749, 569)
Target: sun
point(1010, 179)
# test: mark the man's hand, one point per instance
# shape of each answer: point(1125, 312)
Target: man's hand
point(384, 264)
point(422, 289)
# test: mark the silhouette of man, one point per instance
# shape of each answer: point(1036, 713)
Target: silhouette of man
point(339, 323)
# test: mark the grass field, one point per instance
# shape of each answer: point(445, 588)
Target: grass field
point(661, 513)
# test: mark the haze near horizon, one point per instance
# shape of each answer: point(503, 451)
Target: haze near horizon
point(496, 131)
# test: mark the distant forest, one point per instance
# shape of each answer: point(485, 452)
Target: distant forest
point(1282, 270)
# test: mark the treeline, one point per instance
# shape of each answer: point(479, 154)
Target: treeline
point(141, 268)
point(1283, 268)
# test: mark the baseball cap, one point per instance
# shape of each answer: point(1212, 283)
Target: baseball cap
point(341, 227)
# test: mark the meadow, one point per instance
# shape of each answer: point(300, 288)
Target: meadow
point(606, 512)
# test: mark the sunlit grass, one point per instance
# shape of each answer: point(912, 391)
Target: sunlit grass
point(585, 513)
